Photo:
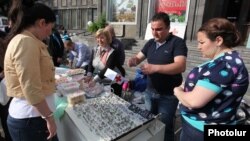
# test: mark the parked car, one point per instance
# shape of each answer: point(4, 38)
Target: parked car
point(3, 22)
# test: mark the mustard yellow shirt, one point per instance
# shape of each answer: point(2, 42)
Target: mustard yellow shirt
point(29, 70)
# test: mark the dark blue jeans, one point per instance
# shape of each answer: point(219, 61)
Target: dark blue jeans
point(166, 105)
point(29, 129)
point(3, 116)
point(190, 133)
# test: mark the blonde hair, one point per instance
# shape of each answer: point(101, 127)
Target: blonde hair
point(105, 33)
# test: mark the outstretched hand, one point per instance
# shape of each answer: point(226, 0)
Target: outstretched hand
point(51, 125)
point(147, 68)
point(87, 79)
point(92, 83)
point(132, 62)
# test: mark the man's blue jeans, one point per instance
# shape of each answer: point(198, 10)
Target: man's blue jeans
point(29, 129)
point(166, 105)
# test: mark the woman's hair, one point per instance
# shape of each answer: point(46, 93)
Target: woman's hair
point(221, 27)
point(24, 13)
point(105, 33)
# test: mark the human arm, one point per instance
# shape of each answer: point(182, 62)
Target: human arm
point(45, 112)
point(134, 61)
point(176, 61)
point(111, 63)
point(59, 60)
point(196, 98)
point(90, 68)
point(82, 54)
point(207, 81)
point(70, 59)
point(29, 63)
point(178, 66)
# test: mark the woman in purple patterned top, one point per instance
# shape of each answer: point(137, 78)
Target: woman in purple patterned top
point(213, 90)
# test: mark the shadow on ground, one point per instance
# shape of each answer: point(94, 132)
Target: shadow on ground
point(128, 43)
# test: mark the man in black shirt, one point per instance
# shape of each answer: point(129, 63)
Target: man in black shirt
point(166, 60)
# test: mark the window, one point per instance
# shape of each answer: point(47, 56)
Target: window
point(64, 2)
point(84, 2)
point(122, 11)
point(55, 3)
point(94, 1)
point(84, 18)
point(74, 19)
point(66, 18)
point(73, 2)
point(92, 14)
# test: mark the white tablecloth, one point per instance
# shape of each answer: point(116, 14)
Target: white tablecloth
point(70, 128)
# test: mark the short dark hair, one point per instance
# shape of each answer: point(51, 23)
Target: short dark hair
point(162, 16)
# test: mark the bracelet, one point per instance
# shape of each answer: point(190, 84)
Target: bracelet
point(48, 116)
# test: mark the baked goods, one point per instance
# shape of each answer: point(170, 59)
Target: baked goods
point(76, 98)
point(72, 72)
point(68, 88)
point(64, 79)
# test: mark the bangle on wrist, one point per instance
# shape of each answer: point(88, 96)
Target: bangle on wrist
point(48, 116)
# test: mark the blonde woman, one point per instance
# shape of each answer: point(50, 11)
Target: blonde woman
point(105, 57)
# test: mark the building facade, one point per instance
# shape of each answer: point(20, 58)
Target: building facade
point(74, 15)
point(131, 17)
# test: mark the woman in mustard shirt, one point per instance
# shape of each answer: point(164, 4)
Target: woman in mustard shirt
point(29, 73)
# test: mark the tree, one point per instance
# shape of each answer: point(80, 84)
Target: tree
point(100, 23)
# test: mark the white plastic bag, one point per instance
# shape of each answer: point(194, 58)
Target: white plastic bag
point(3, 94)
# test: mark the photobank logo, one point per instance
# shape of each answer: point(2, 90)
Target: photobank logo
point(240, 132)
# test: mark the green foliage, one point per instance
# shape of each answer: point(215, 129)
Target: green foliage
point(100, 23)
point(177, 18)
point(92, 27)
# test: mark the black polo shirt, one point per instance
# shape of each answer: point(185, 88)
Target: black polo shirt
point(174, 46)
